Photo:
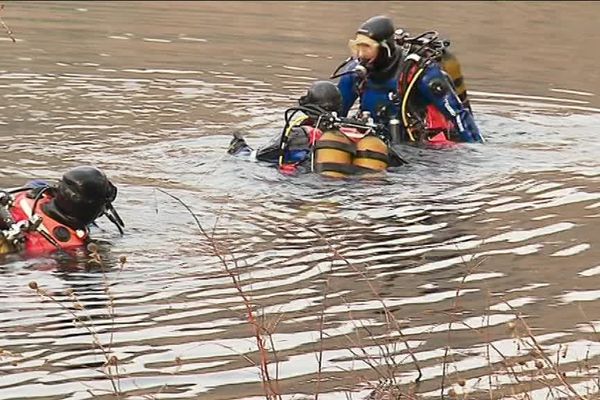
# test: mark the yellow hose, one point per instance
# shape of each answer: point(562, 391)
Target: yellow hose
point(405, 100)
point(294, 123)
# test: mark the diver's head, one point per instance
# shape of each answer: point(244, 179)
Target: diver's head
point(374, 41)
point(324, 94)
point(82, 195)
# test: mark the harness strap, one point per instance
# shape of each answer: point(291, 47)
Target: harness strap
point(458, 82)
point(285, 137)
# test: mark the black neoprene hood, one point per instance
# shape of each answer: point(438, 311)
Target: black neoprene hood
point(378, 28)
point(324, 94)
point(82, 193)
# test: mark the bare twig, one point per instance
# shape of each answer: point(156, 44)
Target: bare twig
point(268, 384)
point(6, 28)
point(321, 327)
point(542, 353)
point(96, 258)
point(109, 358)
point(388, 313)
point(453, 314)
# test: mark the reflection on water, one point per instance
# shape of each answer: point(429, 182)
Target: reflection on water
point(457, 246)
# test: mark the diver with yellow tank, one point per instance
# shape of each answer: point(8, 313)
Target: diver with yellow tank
point(411, 85)
point(316, 139)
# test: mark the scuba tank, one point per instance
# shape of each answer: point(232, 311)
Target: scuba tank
point(333, 154)
point(450, 64)
point(5, 246)
point(371, 154)
point(6, 223)
point(429, 44)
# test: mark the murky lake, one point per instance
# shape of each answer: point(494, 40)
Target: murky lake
point(456, 244)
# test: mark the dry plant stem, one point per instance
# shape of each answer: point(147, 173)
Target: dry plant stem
point(269, 329)
point(321, 327)
point(487, 350)
point(452, 316)
point(366, 358)
point(274, 352)
point(388, 313)
point(496, 349)
point(245, 357)
point(588, 320)
point(110, 361)
point(111, 306)
point(540, 350)
point(92, 332)
point(112, 330)
point(6, 28)
point(542, 353)
point(264, 356)
point(388, 373)
point(268, 385)
point(153, 395)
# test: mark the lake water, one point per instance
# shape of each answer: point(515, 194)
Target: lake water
point(458, 245)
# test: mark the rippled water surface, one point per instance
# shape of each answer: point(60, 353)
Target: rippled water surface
point(456, 246)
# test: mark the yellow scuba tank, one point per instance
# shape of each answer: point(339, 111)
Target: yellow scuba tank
point(5, 246)
point(451, 65)
point(5, 222)
point(371, 154)
point(333, 154)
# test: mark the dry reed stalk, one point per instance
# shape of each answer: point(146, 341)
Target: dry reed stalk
point(6, 28)
point(269, 385)
point(487, 350)
point(366, 357)
point(454, 311)
point(390, 318)
point(542, 353)
point(96, 258)
point(321, 332)
point(389, 315)
point(111, 361)
point(535, 375)
point(264, 358)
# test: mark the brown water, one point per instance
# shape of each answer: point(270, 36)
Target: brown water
point(151, 91)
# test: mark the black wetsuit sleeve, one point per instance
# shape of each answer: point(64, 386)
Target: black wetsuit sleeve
point(269, 152)
point(297, 142)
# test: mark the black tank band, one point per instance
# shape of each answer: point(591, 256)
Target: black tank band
point(373, 155)
point(365, 170)
point(332, 144)
point(335, 167)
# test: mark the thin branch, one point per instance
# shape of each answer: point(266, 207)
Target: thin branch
point(388, 313)
point(6, 28)
point(321, 327)
point(268, 384)
point(542, 353)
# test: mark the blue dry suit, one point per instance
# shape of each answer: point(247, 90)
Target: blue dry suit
point(433, 88)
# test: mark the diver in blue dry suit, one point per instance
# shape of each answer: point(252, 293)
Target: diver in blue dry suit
point(396, 83)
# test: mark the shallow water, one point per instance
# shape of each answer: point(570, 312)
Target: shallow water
point(454, 244)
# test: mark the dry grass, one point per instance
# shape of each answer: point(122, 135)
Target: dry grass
point(539, 369)
point(549, 373)
point(78, 312)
